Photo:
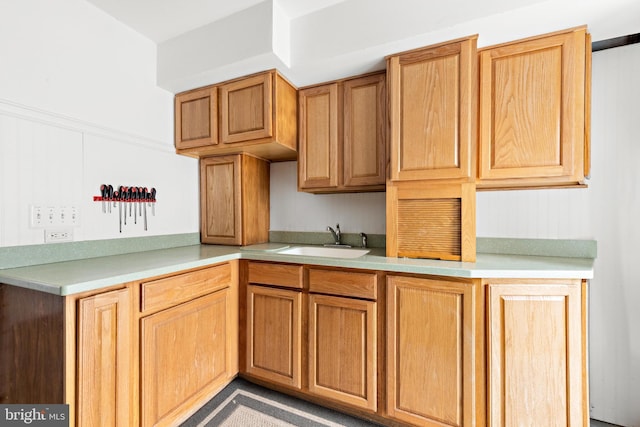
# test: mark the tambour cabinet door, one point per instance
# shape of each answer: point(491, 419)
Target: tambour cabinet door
point(246, 109)
point(532, 110)
point(365, 131)
point(319, 136)
point(432, 111)
point(196, 118)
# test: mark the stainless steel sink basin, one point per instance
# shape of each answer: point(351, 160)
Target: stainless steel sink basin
point(325, 251)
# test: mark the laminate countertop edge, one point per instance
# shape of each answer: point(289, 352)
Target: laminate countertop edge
point(71, 277)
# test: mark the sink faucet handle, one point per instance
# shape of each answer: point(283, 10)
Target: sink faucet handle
point(364, 240)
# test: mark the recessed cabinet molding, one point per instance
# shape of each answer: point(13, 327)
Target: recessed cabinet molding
point(534, 111)
point(343, 135)
point(254, 114)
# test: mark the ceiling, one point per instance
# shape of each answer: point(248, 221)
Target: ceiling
point(161, 20)
point(312, 41)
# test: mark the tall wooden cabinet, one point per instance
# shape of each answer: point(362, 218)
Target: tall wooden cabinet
point(434, 351)
point(534, 111)
point(254, 114)
point(433, 133)
point(234, 200)
point(537, 353)
point(343, 135)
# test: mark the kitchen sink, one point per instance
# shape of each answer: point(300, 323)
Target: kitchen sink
point(325, 251)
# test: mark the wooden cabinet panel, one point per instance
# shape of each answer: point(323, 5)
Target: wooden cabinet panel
point(432, 350)
point(105, 360)
point(274, 334)
point(167, 292)
point(184, 358)
point(345, 283)
point(196, 118)
point(432, 108)
point(234, 200)
point(343, 350)
point(365, 131)
point(285, 275)
point(319, 133)
point(535, 344)
point(343, 135)
point(532, 112)
point(246, 109)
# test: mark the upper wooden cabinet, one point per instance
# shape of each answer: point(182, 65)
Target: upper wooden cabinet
point(234, 200)
point(534, 111)
point(196, 118)
point(342, 136)
point(255, 114)
point(432, 111)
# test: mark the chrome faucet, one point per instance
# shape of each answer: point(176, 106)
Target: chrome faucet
point(335, 233)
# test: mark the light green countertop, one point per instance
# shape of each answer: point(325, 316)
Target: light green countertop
point(70, 277)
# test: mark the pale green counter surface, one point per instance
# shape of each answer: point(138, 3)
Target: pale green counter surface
point(71, 277)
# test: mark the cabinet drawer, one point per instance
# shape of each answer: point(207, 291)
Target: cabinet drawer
point(167, 292)
point(289, 276)
point(359, 285)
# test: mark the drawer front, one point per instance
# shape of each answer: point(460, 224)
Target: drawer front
point(167, 292)
point(289, 276)
point(350, 284)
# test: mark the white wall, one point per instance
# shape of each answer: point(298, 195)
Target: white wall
point(79, 107)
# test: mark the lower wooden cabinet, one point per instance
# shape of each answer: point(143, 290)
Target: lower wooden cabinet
point(184, 357)
point(105, 361)
point(274, 334)
point(343, 350)
point(536, 354)
point(434, 348)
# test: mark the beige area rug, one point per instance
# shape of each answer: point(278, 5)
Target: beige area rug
point(243, 404)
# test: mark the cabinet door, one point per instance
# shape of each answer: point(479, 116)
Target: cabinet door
point(318, 141)
point(535, 349)
point(246, 108)
point(532, 110)
point(433, 340)
point(196, 118)
point(184, 358)
point(220, 200)
point(342, 350)
point(433, 108)
point(365, 131)
point(105, 360)
point(274, 334)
